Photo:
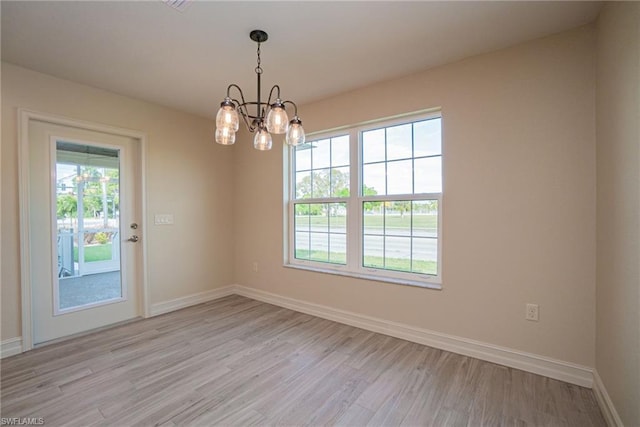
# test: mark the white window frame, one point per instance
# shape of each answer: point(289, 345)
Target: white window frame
point(354, 202)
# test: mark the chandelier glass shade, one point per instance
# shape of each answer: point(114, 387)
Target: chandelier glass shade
point(270, 117)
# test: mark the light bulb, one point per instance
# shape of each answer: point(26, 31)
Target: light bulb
point(225, 136)
point(277, 119)
point(262, 141)
point(295, 133)
point(227, 115)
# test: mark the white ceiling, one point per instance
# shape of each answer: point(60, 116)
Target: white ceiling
point(186, 59)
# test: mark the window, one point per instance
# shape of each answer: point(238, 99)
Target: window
point(322, 182)
point(366, 201)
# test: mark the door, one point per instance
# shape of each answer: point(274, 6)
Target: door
point(84, 233)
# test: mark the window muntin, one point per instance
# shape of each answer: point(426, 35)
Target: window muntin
point(389, 228)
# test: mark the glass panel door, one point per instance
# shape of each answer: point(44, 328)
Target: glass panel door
point(88, 226)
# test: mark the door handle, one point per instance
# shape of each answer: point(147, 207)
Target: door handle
point(133, 239)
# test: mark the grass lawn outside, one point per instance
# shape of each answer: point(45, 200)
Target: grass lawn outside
point(376, 221)
point(93, 253)
point(395, 264)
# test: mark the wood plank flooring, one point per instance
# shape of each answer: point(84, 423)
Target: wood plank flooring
point(236, 361)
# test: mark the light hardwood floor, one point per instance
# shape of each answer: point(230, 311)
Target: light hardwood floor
point(236, 361)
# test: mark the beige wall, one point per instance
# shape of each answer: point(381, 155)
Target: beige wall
point(618, 213)
point(188, 175)
point(519, 200)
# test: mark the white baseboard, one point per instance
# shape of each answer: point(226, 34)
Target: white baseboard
point(189, 300)
point(10, 347)
point(604, 401)
point(552, 368)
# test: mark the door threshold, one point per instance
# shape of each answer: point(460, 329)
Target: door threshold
point(85, 333)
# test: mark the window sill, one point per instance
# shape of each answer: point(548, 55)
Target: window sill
point(375, 277)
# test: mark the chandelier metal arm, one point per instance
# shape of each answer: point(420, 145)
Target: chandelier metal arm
point(295, 107)
point(251, 121)
point(245, 117)
point(232, 85)
point(275, 87)
point(241, 106)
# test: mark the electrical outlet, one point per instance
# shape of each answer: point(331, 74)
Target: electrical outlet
point(532, 312)
point(254, 267)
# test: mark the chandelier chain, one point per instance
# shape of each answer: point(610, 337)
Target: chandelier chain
point(258, 68)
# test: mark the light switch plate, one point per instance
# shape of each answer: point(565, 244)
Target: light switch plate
point(163, 219)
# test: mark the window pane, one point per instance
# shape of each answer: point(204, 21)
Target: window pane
point(425, 218)
point(399, 179)
point(319, 247)
point(427, 138)
point(373, 178)
point(87, 227)
point(303, 185)
point(302, 217)
point(372, 207)
point(397, 253)
point(340, 182)
point(373, 218)
point(337, 217)
point(398, 218)
point(399, 142)
point(425, 255)
point(340, 151)
point(321, 154)
point(338, 246)
point(321, 182)
point(373, 251)
point(302, 245)
point(303, 157)
point(319, 219)
point(428, 175)
point(373, 149)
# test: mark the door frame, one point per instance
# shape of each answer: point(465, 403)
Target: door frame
point(25, 116)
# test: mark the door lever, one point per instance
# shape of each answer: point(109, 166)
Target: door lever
point(133, 239)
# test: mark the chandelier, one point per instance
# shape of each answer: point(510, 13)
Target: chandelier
point(270, 117)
